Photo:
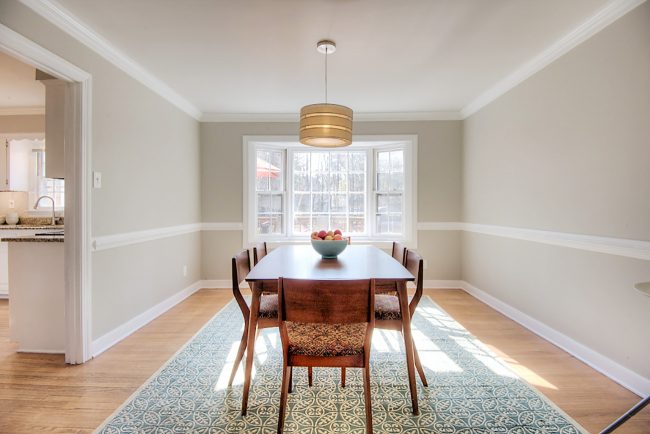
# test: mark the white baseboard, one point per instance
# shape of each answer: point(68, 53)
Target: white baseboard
point(106, 341)
point(615, 371)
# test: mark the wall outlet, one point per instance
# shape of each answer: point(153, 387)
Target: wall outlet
point(97, 179)
point(12, 203)
point(185, 270)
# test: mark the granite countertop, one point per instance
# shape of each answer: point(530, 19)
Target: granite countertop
point(26, 227)
point(36, 239)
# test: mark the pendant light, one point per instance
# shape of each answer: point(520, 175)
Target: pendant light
point(326, 125)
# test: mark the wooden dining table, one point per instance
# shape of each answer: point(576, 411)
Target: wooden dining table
point(302, 262)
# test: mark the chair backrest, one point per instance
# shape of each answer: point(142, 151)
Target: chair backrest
point(327, 301)
point(259, 251)
point(241, 266)
point(399, 252)
point(415, 264)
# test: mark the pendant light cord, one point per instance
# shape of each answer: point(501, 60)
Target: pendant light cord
point(327, 52)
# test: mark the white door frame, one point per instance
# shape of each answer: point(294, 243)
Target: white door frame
point(78, 259)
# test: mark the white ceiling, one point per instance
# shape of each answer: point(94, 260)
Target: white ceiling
point(258, 56)
point(18, 87)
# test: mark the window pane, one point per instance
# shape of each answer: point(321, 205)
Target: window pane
point(319, 182)
point(263, 203)
point(357, 161)
point(383, 202)
point(382, 224)
point(357, 182)
point(276, 203)
point(395, 203)
point(397, 181)
point(300, 182)
point(339, 162)
point(269, 224)
point(320, 222)
point(339, 222)
point(320, 162)
point(383, 162)
point(383, 181)
point(396, 223)
point(357, 224)
point(357, 203)
point(302, 224)
point(339, 203)
point(338, 182)
point(300, 161)
point(301, 202)
point(321, 203)
point(397, 161)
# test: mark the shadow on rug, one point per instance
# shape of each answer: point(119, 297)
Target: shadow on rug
point(470, 390)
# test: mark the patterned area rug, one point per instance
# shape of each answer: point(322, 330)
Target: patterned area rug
point(470, 390)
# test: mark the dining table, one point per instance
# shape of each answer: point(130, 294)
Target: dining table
point(303, 262)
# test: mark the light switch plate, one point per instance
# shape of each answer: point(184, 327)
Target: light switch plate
point(97, 179)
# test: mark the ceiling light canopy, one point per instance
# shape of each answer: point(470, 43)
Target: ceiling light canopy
point(326, 125)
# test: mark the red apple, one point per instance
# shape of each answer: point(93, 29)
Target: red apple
point(322, 234)
point(338, 232)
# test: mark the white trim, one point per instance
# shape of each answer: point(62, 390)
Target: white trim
point(594, 24)
point(21, 111)
point(111, 338)
point(222, 226)
point(127, 238)
point(56, 14)
point(613, 246)
point(78, 160)
point(637, 249)
point(620, 374)
point(358, 117)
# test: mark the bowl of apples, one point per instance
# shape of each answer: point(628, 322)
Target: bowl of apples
point(329, 244)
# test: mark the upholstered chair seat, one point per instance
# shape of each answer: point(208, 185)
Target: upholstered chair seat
point(326, 340)
point(387, 307)
point(268, 306)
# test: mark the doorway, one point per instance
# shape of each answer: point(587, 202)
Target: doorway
point(77, 151)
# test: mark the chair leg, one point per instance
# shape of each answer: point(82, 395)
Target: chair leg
point(342, 377)
point(418, 365)
point(367, 398)
point(286, 378)
point(240, 355)
point(310, 375)
point(290, 379)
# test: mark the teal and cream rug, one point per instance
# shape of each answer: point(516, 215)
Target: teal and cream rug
point(470, 390)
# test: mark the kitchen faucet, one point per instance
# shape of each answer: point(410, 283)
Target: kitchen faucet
point(52, 199)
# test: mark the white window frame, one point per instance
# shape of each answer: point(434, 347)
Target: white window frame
point(290, 144)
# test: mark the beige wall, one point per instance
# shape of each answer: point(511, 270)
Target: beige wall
point(148, 153)
point(13, 124)
point(568, 150)
point(439, 187)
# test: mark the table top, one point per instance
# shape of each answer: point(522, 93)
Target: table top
point(302, 262)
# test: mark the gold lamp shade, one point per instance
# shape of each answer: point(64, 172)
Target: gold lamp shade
point(326, 125)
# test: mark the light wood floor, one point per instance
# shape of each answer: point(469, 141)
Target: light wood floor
point(39, 393)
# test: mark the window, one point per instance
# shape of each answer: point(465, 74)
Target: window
point(366, 190)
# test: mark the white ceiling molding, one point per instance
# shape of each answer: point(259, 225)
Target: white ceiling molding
point(597, 22)
point(21, 111)
point(358, 117)
point(63, 19)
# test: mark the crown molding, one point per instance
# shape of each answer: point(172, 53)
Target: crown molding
point(21, 111)
point(56, 14)
point(612, 11)
point(358, 117)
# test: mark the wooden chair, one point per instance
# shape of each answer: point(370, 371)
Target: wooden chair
point(268, 314)
point(387, 311)
point(326, 324)
point(399, 254)
point(259, 251)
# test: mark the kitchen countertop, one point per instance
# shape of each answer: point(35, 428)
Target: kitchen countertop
point(35, 239)
point(28, 227)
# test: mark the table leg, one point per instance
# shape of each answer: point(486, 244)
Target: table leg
point(250, 347)
point(402, 295)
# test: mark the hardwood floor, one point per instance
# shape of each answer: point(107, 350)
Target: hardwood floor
point(39, 393)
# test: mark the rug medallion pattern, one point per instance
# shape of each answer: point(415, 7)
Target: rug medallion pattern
point(470, 390)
